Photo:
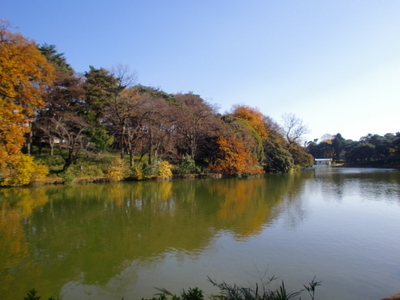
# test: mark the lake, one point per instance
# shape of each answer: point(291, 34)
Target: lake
point(121, 240)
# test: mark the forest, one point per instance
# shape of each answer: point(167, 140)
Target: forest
point(371, 150)
point(56, 122)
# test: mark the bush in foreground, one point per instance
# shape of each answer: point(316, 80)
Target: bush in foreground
point(234, 292)
point(226, 292)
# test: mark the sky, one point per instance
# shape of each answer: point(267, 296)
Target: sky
point(335, 64)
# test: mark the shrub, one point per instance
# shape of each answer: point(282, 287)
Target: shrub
point(165, 170)
point(32, 295)
point(151, 170)
point(68, 175)
point(52, 161)
point(227, 292)
point(137, 172)
point(186, 166)
point(22, 171)
point(105, 159)
point(234, 292)
point(191, 294)
point(117, 171)
point(158, 168)
point(83, 170)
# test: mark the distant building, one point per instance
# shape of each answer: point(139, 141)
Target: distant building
point(323, 161)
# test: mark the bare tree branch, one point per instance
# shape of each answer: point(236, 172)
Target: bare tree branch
point(294, 127)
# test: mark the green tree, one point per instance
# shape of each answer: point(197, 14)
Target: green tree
point(381, 145)
point(323, 150)
point(338, 144)
point(395, 149)
point(100, 88)
point(360, 152)
point(300, 157)
point(56, 59)
point(277, 158)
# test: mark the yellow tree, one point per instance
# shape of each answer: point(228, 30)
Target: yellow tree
point(254, 117)
point(24, 74)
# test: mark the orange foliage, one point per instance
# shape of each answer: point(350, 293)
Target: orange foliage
point(243, 208)
point(234, 158)
point(24, 73)
point(254, 117)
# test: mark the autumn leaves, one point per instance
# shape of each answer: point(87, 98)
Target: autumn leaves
point(234, 155)
point(24, 73)
point(43, 103)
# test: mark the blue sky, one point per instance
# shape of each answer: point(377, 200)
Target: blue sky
point(335, 64)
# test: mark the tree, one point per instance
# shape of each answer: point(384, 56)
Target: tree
point(159, 128)
point(103, 90)
point(321, 150)
point(294, 127)
point(395, 149)
point(101, 87)
point(125, 121)
point(242, 130)
point(381, 144)
point(338, 144)
point(300, 157)
point(140, 121)
point(63, 99)
point(63, 122)
point(24, 75)
point(56, 59)
point(360, 152)
point(194, 119)
point(254, 119)
point(233, 158)
point(253, 116)
point(277, 158)
point(327, 137)
point(70, 132)
point(125, 77)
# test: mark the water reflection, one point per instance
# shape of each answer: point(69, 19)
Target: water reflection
point(98, 238)
point(91, 233)
point(370, 183)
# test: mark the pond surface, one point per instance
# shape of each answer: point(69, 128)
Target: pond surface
point(121, 240)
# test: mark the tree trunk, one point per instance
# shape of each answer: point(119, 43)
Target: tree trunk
point(29, 142)
point(51, 144)
point(151, 148)
point(131, 158)
point(122, 144)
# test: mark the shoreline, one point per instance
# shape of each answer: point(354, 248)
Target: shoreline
point(103, 179)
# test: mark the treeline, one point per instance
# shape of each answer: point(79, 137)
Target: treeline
point(372, 149)
point(45, 105)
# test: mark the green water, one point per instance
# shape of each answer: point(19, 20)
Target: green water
point(120, 240)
